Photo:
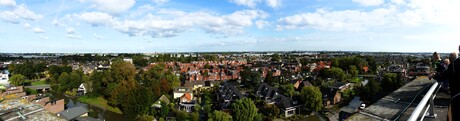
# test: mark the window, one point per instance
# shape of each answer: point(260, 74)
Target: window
point(291, 112)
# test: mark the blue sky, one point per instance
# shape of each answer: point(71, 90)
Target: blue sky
point(229, 25)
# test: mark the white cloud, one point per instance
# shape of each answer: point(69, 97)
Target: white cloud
point(398, 2)
point(140, 11)
point(38, 30)
point(160, 1)
point(70, 30)
point(169, 23)
point(73, 36)
point(25, 13)
point(414, 13)
point(112, 6)
point(274, 3)
point(350, 20)
point(10, 3)
point(96, 18)
point(18, 13)
point(98, 37)
point(261, 24)
point(369, 2)
point(27, 26)
point(9, 16)
point(248, 3)
point(44, 37)
point(58, 23)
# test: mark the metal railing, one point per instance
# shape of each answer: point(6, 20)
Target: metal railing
point(421, 111)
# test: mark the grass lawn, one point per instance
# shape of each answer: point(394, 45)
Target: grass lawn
point(99, 102)
point(37, 83)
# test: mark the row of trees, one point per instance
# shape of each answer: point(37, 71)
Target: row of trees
point(28, 69)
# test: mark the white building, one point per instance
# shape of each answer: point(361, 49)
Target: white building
point(82, 88)
point(4, 79)
point(130, 60)
point(179, 91)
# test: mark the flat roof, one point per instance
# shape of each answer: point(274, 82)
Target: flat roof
point(394, 105)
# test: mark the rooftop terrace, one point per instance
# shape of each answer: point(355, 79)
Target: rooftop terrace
point(400, 104)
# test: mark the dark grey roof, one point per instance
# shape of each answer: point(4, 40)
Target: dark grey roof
point(87, 119)
point(73, 113)
point(307, 83)
point(229, 93)
point(274, 94)
point(337, 85)
point(284, 102)
point(328, 92)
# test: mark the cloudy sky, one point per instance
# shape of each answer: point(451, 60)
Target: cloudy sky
point(229, 25)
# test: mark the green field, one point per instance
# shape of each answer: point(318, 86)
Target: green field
point(99, 102)
point(37, 83)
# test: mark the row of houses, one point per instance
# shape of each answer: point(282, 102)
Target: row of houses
point(56, 107)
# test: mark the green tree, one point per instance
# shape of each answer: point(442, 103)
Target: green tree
point(195, 116)
point(312, 97)
point(391, 82)
point(258, 117)
point(120, 80)
point(63, 81)
point(288, 90)
point(138, 101)
point(219, 116)
point(371, 91)
point(276, 57)
point(181, 115)
point(164, 110)
point(269, 78)
point(353, 71)
point(244, 110)
point(336, 73)
point(17, 79)
point(139, 60)
point(75, 80)
point(145, 118)
point(271, 110)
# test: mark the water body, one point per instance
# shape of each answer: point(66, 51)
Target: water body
point(94, 111)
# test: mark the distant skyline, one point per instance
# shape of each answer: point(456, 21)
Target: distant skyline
point(139, 26)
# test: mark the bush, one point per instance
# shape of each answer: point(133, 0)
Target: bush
point(31, 91)
point(72, 92)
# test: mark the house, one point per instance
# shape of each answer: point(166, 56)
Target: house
point(342, 86)
point(83, 89)
point(179, 91)
point(364, 82)
point(4, 77)
point(129, 60)
point(288, 106)
point(29, 97)
point(196, 85)
point(267, 93)
point(228, 93)
point(73, 113)
point(14, 90)
point(162, 99)
point(272, 95)
point(186, 98)
point(55, 106)
point(299, 84)
point(41, 100)
point(187, 103)
point(331, 96)
point(397, 69)
point(349, 110)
